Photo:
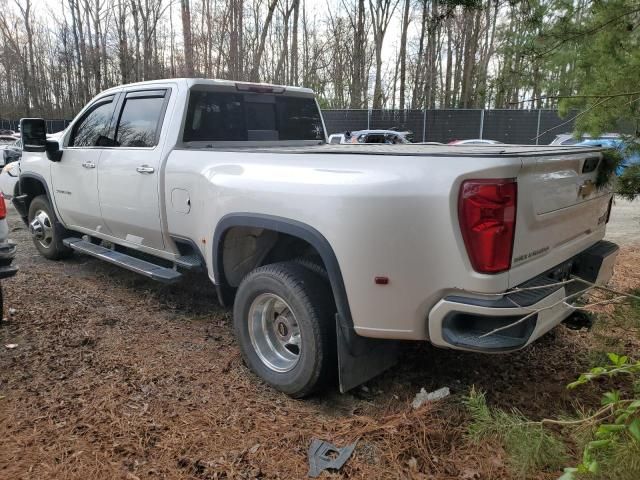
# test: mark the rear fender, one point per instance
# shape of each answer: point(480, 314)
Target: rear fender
point(359, 358)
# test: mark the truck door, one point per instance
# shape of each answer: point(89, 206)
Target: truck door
point(75, 177)
point(128, 175)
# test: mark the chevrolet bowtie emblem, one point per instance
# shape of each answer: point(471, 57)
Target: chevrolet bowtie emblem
point(586, 189)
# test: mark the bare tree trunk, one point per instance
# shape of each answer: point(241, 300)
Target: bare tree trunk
point(172, 46)
point(293, 75)
point(254, 76)
point(381, 11)
point(447, 85)
point(186, 35)
point(123, 52)
point(26, 15)
point(358, 83)
point(417, 87)
point(403, 52)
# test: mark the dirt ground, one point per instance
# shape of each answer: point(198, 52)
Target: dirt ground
point(115, 376)
point(624, 224)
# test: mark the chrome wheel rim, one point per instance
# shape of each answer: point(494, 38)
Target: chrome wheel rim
point(41, 228)
point(274, 332)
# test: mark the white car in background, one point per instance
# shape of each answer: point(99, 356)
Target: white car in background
point(9, 180)
point(475, 141)
point(388, 137)
point(7, 250)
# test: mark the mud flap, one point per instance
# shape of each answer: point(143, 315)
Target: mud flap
point(360, 358)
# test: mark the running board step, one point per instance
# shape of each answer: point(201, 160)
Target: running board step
point(148, 269)
point(190, 262)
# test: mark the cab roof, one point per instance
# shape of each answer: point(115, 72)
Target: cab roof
point(190, 82)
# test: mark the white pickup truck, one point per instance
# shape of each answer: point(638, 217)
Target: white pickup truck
point(329, 253)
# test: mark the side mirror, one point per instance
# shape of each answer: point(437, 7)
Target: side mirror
point(52, 148)
point(34, 134)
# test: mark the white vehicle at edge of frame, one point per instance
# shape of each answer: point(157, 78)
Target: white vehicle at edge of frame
point(322, 249)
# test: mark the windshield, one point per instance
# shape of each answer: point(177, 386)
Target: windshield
point(227, 116)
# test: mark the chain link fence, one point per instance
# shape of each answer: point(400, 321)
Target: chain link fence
point(509, 126)
point(533, 127)
point(53, 126)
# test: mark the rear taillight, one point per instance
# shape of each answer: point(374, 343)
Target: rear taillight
point(487, 216)
point(3, 207)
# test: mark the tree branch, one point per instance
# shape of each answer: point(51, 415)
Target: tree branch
point(555, 97)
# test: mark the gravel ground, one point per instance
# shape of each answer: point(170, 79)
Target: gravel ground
point(115, 376)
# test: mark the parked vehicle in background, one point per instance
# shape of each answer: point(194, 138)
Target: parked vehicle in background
point(389, 137)
point(7, 250)
point(9, 177)
point(6, 139)
point(629, 156)
point(10, 150)
point(328, 253)
point(569, 139)
point(6, 131)
point(475, 141)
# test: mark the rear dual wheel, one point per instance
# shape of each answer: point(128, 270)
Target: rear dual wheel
point(283, 319)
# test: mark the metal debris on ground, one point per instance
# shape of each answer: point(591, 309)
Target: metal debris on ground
point(423, 396)
point(11, 346)
point(324, 455)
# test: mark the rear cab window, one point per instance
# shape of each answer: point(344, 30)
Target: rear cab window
point(239, 116)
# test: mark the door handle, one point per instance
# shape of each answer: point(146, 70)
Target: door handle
point(145, 169)
point(89, 165)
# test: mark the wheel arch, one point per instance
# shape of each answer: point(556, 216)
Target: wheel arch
point(31, 185)
point(292, 228)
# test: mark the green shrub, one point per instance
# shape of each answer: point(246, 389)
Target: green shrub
point(613, 449)
point(530, 448)
point(628, 184)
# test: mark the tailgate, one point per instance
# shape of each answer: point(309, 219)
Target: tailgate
point(560, 211)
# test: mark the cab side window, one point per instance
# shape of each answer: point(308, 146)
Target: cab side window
point(140, 120)
point(93, 127)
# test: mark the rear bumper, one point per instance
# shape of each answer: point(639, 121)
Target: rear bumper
point(460, 321)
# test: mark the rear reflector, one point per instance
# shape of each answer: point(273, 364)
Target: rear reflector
point(3, 207)
point(487, 216)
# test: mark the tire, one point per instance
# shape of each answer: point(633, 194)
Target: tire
point(46, 231)
point(313, 263)
point(297, 354)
